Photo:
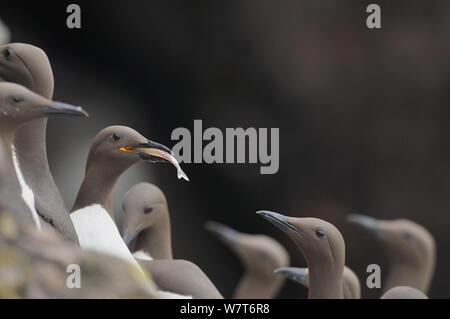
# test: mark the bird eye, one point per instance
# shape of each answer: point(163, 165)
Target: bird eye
point(17, 99)
point(408, 236)
point(7, 52)
point(320, 233)
point(116, 137)
point(148, 210)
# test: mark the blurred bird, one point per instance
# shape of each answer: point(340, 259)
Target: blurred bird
point(323, 247)
point(18, 106)
point(351, 284)
point(36, 264)
point(410, 248)
point(260, 256)
point(4, 33)
point(29, 66)
point(404, 292)
point(147, 231)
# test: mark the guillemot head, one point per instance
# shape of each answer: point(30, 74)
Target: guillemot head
point(260, 254)
point(116, 148)
point(19, 105)
point(321, 242)
point(27, 65)
point(404, 240)
point(144, 205)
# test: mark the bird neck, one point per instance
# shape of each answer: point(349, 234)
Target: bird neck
point(255, 286)
point(97, 188)
point(325, 282)
point(31, 150)
point(404, 274)
point(7, 170)
point(156, 241)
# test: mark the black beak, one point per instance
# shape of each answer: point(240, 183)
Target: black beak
point(296, 274)
point(129, 238)
point(224, 233)
point(58, 108)
point(280, 221)
point(366, 222)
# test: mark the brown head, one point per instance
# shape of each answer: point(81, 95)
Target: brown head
point(409, 246)
point(146, 221)
point(112, 152)
point(19, 105)
point(27, 65)
point(323, 247)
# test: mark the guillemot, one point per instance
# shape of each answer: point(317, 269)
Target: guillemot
point(113, 151)
point(29, 66)
point(19, 106)
point(260, 255)
point(410, 248)
point(147, 231)
point(323, 247)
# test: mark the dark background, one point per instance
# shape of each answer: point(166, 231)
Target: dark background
point(363, 114)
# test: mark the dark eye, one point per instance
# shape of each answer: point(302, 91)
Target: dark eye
point(7, 53)
point(148, 210)
point(320, 233)
point(408, 236)
point(17, 99)
point(116, 137)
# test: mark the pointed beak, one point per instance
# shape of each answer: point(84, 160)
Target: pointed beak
point(299, 275)
point(368, 223)
point(224, 233)
point(155, 152)
point(280, 221)
point(129, 238)
point(58, 108)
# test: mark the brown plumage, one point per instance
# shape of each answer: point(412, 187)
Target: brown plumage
point(29, 66)
point(146, 228)
point(350, 283)
point(410, 248)
point(260, 255)
point(324, 250)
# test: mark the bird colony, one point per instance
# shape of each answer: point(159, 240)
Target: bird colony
point(40, 236)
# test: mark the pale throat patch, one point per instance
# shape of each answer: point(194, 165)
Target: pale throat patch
point(27, 193)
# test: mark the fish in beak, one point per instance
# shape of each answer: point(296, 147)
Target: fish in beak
point(155, 152)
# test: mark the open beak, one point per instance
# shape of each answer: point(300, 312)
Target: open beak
point(224, 233)
point(299, 275)
point(155, 152)
point(366, 222)
point(58, 108)
point(280, 221)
